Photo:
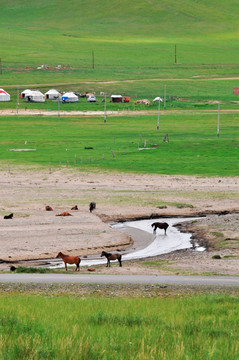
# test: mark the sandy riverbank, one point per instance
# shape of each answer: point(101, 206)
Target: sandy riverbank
point(35, 233)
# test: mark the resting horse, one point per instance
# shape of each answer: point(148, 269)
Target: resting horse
point(70, 260)
point(10, 216)
point(159, 225)
point(110, 256)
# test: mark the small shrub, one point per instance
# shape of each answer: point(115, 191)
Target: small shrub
point(182, 206)
point(216, 256)
point(31, 270)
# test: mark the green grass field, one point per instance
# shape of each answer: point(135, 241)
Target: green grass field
point(125, 143)
point(64, 327)
point(133, 40)
point(128, 48)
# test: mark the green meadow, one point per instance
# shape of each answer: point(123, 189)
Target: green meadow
point(63, 327)
point(127, 143)
point(187, 50)
point(99, 41)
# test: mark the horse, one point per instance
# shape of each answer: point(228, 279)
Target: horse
point(92, 206)
point(70, 260)
point(110, 256)
point(10, 216)
point(48, 208)
point(74, 207)
point(65, 213)
point(159, 225)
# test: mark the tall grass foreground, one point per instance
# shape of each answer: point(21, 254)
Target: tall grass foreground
point(62, 327)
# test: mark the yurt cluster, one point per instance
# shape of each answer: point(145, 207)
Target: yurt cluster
point(37, 96)
point(52, 94)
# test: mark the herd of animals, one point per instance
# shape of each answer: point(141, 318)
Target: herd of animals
point(68, 259)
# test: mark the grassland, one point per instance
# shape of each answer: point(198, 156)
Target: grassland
point(64, 327)
point(129, 40)
point(133, 44)
point(125, 143)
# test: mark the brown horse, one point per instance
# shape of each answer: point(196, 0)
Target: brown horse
point(70, 260)
point(74, 207)
point(159, 225)
point(65, 213)
point(110, 256)
point(48, 208)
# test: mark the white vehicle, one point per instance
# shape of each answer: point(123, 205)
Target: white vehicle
point(91, 98)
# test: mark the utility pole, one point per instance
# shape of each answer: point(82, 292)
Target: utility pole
point(158, 116)
point(218, 119)
point(175, 54)
point(17, 100)
point(93, 59)
point(159, 100)
point(165, 97)
point(105, 110)
point(58, 107)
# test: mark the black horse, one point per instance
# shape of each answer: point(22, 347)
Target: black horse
point(110, 256)
point(10, 216)
point(92, 206)
point(159, 225)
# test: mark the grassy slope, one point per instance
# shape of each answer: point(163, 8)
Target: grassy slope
point(130, 39)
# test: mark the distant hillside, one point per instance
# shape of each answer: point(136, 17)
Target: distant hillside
point(130, 39)
point(141, 18)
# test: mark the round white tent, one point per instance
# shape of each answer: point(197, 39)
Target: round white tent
point(35, 96)
point(69, 97)
point(4, 96)
point(52, 94)
point(25, 92)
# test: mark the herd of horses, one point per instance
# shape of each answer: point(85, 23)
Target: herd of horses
point(109, 256)
point(77, 260)
point(68, 259)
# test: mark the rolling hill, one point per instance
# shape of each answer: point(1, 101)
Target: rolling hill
point(129, 39)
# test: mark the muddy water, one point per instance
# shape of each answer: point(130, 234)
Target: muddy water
point(146, 243)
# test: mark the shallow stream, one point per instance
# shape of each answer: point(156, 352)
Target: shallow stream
point(146, 243)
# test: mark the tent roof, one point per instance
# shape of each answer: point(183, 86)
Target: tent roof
point(116, 96)
point(3, 92)
point(158, 99)
point(36, 93)
point(71, 94)
point(52, 91)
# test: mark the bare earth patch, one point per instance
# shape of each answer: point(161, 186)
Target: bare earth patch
point(34, 233)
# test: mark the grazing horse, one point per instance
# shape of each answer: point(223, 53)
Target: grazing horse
point(159, 225)
point(110, 256)
point(10, 216)
point(92, 206)
point(70, 260)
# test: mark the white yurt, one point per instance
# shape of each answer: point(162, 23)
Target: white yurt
point(69, 97)
point(4, 96)
point(35, 96)
point(52, 94)
point(25, 92)
point(116, 98)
